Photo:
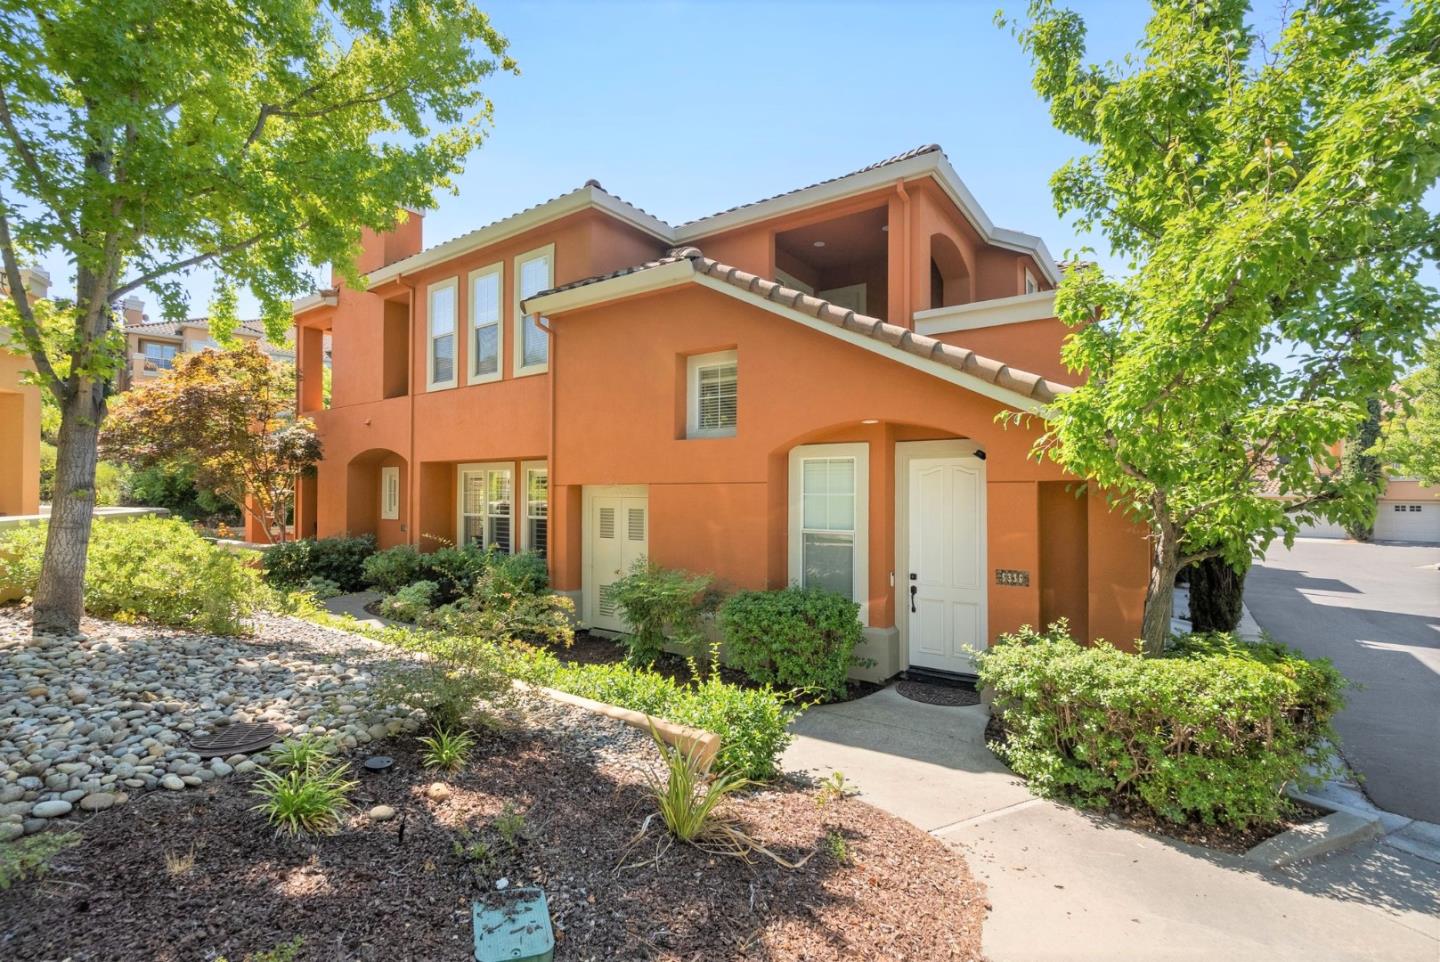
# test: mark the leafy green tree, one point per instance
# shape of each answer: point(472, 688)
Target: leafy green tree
point(1411, 440)
point(1359, 459)
point(146, 139)
point(1265, 196)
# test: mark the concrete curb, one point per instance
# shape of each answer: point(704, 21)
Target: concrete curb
point(1321, 837)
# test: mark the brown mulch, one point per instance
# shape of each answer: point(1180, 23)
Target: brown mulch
point(402, 889)
point(591, 649)
point(1224, 838)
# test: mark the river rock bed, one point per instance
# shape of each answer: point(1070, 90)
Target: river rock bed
point(87, 721)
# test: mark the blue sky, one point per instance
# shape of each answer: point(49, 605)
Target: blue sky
point(687, 108)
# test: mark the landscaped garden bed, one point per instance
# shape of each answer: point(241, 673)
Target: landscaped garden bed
point(556, 798)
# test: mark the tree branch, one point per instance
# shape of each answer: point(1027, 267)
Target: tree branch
point(193, 261)
point(32, 164)
point(28, 328)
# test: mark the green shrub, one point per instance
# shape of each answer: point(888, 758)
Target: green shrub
point(527, 571)
point(153, 568)
point(659, 603)
point(340, 560)
point(451, 681)
point(392, 569)
point(1211, 732)
point(753, 723)
point(321, 588)
point(410, 602)
point(797, 638)
point(172, 486)
point(455, 570)
point(500, 608)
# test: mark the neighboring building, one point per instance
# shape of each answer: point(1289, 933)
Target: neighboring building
point(1406, 512)
point(20, 414)
point(812, 399)
point(152, 347)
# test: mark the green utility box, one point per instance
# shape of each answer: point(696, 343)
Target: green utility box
point(513, 926)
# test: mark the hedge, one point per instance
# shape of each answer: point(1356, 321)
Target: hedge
point(1211, 732)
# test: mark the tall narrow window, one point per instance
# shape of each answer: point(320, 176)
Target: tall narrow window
point(829, 512)
point(1030, 285)
point(828, 524)
point(389, 494)
point(537, 506)
point(713, 404)
point(485, 293)
point(486, 507)
point(442, 334)
point(534, 272)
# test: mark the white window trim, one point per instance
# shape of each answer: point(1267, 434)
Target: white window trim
point(389, 510)
point(430, 383)
point(1032, 286)
point(521, 370)
point(693, 364)
point(524, 499)
point(860, 452)
point(460, 470)
point(498, 269)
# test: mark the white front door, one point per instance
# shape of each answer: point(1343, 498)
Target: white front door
point(618, 534)
point(944, 591)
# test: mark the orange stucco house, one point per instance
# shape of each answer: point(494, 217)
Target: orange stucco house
point(798, 390)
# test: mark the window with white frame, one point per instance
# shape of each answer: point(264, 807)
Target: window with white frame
point(1031, 285)
point(829, 511)
point(486, 334)
point(712, 390)
point(537, 507)
point(389, 494)
point(441, 354)
point(486, 506)
point(534, 272)
point(160, 354)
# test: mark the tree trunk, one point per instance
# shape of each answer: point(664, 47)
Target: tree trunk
point(1217, 592)
point(1160, 593)
point(60, 597)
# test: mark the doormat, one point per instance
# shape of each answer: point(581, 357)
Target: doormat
point(951, 696)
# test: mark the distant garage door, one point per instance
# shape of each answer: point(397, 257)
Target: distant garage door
point(1322, 529)
point(1408, 521)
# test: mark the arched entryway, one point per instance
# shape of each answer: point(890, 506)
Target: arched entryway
point(949, 274)
point(377, 490)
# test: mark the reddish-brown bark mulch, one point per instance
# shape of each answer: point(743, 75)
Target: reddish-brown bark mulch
point(402, 889)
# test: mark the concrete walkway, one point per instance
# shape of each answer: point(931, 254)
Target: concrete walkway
point(1069, 886)
point(354, 606)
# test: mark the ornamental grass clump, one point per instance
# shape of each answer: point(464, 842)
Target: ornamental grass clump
point(307, 797)
point(1212, 732)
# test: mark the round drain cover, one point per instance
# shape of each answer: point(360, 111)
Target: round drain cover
point(932, 694)
point(235, 740)
point(378, 763)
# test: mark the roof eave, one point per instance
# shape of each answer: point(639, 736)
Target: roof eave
point(683, 271)
point(576, 200)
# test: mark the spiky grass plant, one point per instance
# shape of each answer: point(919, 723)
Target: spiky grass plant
point(308, 800)
point(303, 753)
point(447, 749)
point(687, 797)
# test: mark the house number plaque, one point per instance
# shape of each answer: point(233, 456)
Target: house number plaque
point(1009, 576)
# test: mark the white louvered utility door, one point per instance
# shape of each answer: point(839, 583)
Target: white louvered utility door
point(619, 535)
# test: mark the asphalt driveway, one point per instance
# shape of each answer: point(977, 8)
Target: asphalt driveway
point(1374, 610)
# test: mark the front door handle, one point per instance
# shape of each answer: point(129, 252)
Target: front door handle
point(913, 589)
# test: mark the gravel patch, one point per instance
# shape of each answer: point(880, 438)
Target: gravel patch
point(89, 721)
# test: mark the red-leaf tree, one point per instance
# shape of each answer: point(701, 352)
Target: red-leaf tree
point(230, 417)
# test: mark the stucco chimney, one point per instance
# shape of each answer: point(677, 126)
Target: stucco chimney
point(133, 308)
point(398, 243)
point(36, 281)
